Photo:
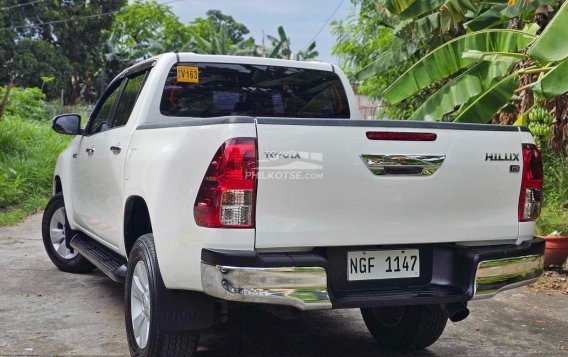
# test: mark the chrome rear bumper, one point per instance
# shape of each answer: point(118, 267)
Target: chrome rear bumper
point(302, 288)
point(494, 276)
point(317, 280)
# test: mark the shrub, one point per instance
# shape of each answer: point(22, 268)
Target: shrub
point(25, 103)
point(554, 215)
point(28, 152)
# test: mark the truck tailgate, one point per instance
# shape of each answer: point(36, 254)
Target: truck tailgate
point(316, 187)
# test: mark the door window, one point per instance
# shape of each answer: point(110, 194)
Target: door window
point(128, 99)
point(102, 119)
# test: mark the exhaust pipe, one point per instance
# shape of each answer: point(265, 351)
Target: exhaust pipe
point(457, 311)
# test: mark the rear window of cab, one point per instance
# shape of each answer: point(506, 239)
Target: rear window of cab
point(205, 90)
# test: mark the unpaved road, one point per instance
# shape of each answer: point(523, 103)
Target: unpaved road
point(47, 312)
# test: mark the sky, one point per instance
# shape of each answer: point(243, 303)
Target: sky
point(302, 19)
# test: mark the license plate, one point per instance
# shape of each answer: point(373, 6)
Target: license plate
point(383, 264)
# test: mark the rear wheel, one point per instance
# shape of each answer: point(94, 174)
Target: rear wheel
point(406, 327)
point(142, 304)
point(54, 229)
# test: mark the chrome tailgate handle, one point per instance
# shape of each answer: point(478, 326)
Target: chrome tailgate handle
point(403, 165)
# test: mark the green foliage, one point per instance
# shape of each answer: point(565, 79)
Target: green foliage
point(28, 151)
point(25, 103)
point(216, 19)
point(219, 42)
point(67, 50)
point(145, 28)
point(552, 221)
point(448, 59)
point(368, 48)
point(418, 8)
point(554, 83)
point(554, 215)
point(308, 53)
point(144, 22)
point(460, 90)
point(142, 29)
point(555, 179)
point(552, 44)
point(446, 80)
point(487, 19)
point(34, 59)
point(281, 45)
point(483, 107)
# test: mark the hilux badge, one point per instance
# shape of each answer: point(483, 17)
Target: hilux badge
point(501, 157)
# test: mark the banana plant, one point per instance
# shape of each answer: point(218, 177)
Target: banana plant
point(423, 24)
point(477, 67)
point(448, 59)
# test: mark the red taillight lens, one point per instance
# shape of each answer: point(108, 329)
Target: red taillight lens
point(227, 194)
point(530, 199)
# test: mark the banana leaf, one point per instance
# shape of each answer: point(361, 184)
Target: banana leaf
point(397, 6)
point(454, 13)
point(470, 5)
point(487, 19)
point(447, 60)
point(552, 44)
point(493, 56)
point(554, 83)
point(482, 109)
point(420, 28)
point(396, 55)
point(461, 90)
point(420, 7)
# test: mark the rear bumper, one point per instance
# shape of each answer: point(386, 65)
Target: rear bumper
point(316, 280)
point(496, 275)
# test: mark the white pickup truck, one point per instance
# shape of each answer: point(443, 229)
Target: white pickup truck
point(201, 181)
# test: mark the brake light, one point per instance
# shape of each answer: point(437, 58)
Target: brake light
point(530, 199)
point(401, 136)
point(226, 198)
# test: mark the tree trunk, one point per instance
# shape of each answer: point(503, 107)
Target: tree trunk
point(559, 139)
point(5, 99)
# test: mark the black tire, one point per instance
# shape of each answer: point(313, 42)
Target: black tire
point(406, 328)
point(77, 264)
point(158, 342)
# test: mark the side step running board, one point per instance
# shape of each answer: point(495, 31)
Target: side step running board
point(102, 257)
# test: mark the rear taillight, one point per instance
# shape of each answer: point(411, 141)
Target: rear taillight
point(227, 194)
point(530, 199)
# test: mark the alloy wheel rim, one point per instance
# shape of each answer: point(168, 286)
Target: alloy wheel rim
point(140, 304)
point(57, 234)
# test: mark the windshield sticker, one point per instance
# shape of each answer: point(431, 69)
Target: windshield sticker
point(187, 74)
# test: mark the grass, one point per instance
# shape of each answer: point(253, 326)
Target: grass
point(28, 152)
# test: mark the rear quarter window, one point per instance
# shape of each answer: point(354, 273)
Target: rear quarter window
point(253, 90)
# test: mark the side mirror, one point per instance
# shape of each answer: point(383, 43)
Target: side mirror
point(69, 124)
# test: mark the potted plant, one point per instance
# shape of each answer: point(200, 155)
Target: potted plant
point(552, 226)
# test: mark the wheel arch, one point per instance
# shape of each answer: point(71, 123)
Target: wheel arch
point(137, 221)
point(57, 186)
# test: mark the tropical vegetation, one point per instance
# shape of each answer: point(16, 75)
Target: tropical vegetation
point(28, 150)
point(80, 45)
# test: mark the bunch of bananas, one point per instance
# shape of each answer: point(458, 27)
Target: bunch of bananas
point(539, 124)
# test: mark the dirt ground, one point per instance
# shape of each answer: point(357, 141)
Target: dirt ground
point(47, 312)
point(552, 282)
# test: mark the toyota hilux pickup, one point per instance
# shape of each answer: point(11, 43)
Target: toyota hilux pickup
point(202, 182)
